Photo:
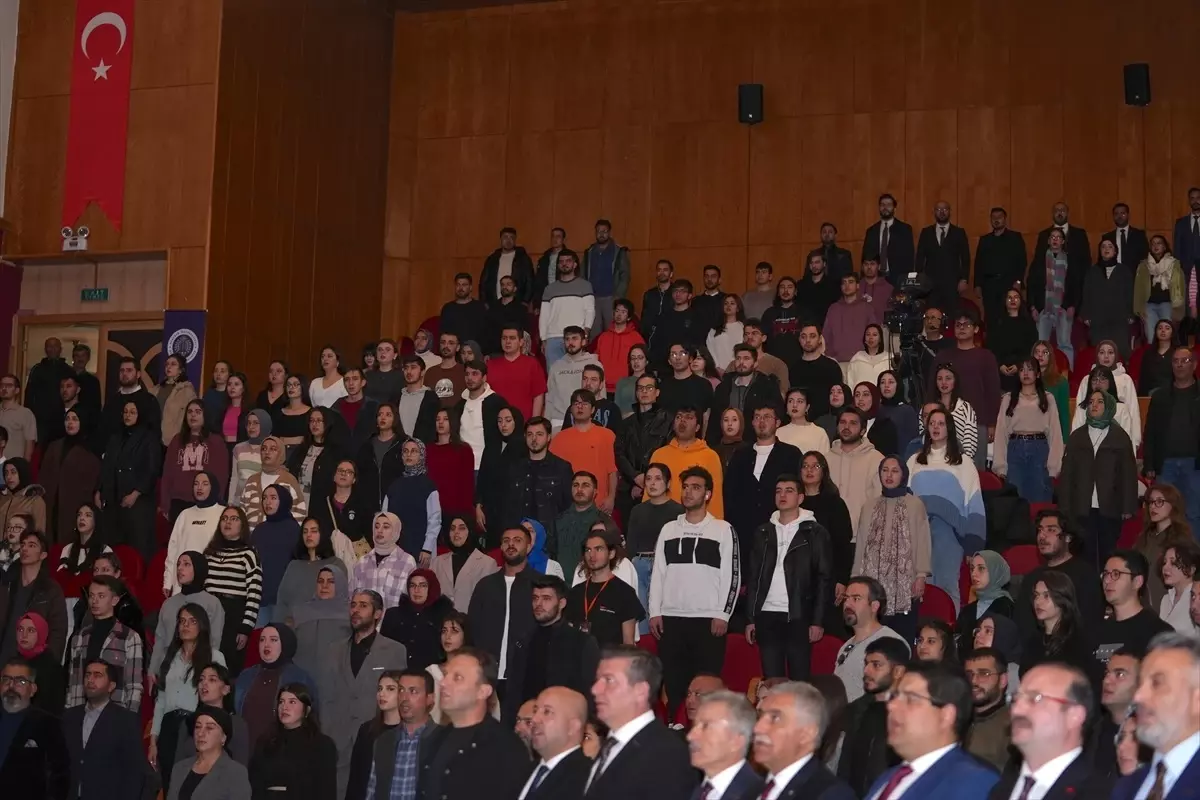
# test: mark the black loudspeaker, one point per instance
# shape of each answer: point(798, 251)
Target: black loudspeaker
point(750, 103)
point(1137, 84)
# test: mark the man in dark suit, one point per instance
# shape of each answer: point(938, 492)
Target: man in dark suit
point(1185, 243)
point(510, 260)
point(553, 654)
point(1132, 243)
point(559, 719)
point(892, 241)
point(944, 254)
point(719, 740)
point(999, 263)
point(838, 260)
point(33, 756)
point(1168, 719)
point(792, 719)
point(104, 741)
point(928, 713)
point(641, 759)
point(1049, 716)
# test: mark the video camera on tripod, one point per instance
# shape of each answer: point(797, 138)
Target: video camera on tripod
point(905, 320)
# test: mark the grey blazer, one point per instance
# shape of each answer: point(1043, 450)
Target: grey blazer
point(227, 780)
point(459, 590)
point(348, 700)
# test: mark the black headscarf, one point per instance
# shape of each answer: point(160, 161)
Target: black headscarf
point(459, 555)
point(24, 474)
point(287, 646)
point(70, 440)
point(199, 572)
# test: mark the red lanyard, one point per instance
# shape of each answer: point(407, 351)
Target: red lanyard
point(587, 607)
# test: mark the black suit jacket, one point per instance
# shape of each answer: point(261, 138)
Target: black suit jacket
point(746, 785)
point(567, 779)
point(113, 765)
point(901, 254)
point(1077, 781)
point(522, 273)
point(37, 766)
point(1137, 246)
point(749, 502)
point(1185, 245)
point(815, 782)
point(571, 660)
point(946, 263)
point(653, 765)
point(1079, 258)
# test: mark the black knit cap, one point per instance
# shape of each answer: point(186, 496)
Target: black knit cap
point(219, 716)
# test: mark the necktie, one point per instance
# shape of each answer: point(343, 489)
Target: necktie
point(1121, 247)
point(1030, 781)
point(1158, 790)
point(884, 238)
point(538, 777)
point(897, 778)
point(1195, 226)
point(766, 792)
point(941, 235)
point(705, 790)
point(602, 759)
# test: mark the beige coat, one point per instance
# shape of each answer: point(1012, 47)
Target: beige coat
point(29, 500)
point(459, 590)
point(856, 475)
point(172, 416)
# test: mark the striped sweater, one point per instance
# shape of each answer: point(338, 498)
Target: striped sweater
point(252, 496)
point(236, 574)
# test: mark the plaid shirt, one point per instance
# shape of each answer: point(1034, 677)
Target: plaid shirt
point(122, 649)
point(407, 770)
point(389, 577)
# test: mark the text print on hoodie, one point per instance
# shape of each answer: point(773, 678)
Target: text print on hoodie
point(696, 570)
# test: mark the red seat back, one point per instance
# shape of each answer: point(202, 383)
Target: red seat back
point(1023, 558)
point(742, 663)
point(824, 654)
point(1085, 359)
point(1130, 530)
point(937, 604)
point(1062, 362)
point(497, 556)
point(989, 481)
point(252, 657)
point(152, 596)
point(132, 567)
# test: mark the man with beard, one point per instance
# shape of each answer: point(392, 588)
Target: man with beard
point(656, 302)
point(720, 738)
point(792, 720)
point(1186, 247)
point(605, 266)
point(447, 379)
point(567, 304)
point(605, 412)
point(678, 324)
point(608, 611)
point(546, 272)
point(838, 260)
point(865, 751)
point(129, 387)
point(89, 384)
point(553, 654)
point(753, 335)
point(522, 725)
point(349, 676)
point(854, 464)
point(506, 310)
point(891, 240)
point(709, 304)
point(743, 388)
point(814, 371)
point(987, 672)
point(944, 254)
point(846, 321)
point(865, 603)
point(565, 375)
point(1049, 716)
point(573, 526)
point(684, 388)
point(1057, 544)
point(34, 762)
point(538, 486)
point(463, 316)
point(115, 765)
point(781, 322)
point(556, 732)
point(501, 610)
point(508, 262)
point(757, 300)
point(1000, 263)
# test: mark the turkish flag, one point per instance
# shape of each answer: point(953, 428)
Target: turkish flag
point(101, 72)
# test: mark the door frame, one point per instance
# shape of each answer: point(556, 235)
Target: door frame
point(125, 320)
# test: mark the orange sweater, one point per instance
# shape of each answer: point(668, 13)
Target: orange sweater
point(697, 454)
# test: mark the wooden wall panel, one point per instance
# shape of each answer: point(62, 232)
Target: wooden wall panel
point(627, 109)
point(52, 286)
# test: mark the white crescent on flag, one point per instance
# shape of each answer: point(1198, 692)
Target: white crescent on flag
point(99, 21)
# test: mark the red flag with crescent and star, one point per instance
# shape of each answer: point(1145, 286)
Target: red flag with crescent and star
point(101, 73)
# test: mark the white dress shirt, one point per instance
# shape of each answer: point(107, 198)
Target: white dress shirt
point(549, 765)
point(1177, 760)
point(622, 735)
point(720, 782)
point(1044, 777)
point(919, 767)
point(781, 780)
point(761, 453)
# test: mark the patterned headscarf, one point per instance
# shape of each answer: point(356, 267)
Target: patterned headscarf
point(419, 467)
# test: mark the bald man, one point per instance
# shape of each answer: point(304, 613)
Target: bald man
point(702, 685)
point(559, 719)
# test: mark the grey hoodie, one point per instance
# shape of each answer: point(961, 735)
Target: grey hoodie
point(565, 376)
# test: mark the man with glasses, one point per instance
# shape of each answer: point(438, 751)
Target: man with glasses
point(1172, 435)
point(865, 752)
point(1131, 624)
point(33, 755)
point(928, 713)
point(638, 436)
point(978, 378)
point(865, 604)
point(1058, 544)
point(1049, 717)
point(987, 672)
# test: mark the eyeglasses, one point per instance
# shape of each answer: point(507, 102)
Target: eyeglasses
point(910, 698)
point(343, 472)
point(1114, 574)
point(1037, 698)
point(842, 656)
point(1157, 502)
point(20, 681)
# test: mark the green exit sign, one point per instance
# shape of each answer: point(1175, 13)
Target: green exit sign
point(97, 295)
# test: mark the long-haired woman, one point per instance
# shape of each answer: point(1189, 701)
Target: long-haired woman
point(728, 333)
point(314, 460)
point(867, 364)
point(1056, 383)
point(1010, 337)
point(451, 465)
point(822, 498)
point(374, 752)
point(966, 426)
point(638, 361)
point(1178, 568)
point(378, 461)
point(174, 394)
point(1158, 287)
point(273, 397)
point(294, 759)
point(230, 419)
point(291, 422)
point(733, 426)
point(1028, 448)
point(234, 578)
point(347, 513)
point(1061, 635)
point(86, 543)
point(194, 448)
point(214, 396)
point(1164, 524)
point(1156, 359)
point(247, 453)
point(328, 387)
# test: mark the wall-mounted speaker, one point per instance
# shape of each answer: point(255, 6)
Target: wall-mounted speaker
point(1137, 84)
point(750, 103)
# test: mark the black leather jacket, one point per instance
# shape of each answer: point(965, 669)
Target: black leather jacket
point(807, 569)
point(548, 497)
point(638, 437)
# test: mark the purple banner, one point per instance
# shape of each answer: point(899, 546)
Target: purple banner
point(183, 334)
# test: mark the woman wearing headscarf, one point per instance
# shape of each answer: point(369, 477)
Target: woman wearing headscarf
point(998, 631)
point(127, 479)
point(313, 552)
point(191, 572)
point(212, 769)
point(1104, 379)
point(538, 558)
point(322, 619)
point(989, 575)
point(294, 759)
point(174, 394)
point(256, 690)
point(1098, 484)
point(893, 408)
point(880, 431)
point(247, 455)
point(414, 498)
point(69, 473)
point(194, 527)
point(416, 621)
point(20, 495)
point(1107, 304)
point(86, 543)
point(275, 540)
point(314, 460)
point(1107, 355)
point(840, 397)
point(459, 570)
point(498, 457)
point(386, 568)
point(194, 449)
point(33, 639)
point(1010, 337)
point(894, 546)
point(234, 578)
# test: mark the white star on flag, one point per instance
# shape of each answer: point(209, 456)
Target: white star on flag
point(101, 70)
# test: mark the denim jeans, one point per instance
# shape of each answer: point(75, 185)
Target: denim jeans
point(555, 349)
point(643, 566)
point(1057, 321)
point(1183, 475)
point(1027, 468)
point(1155, 313)
point(946, 558)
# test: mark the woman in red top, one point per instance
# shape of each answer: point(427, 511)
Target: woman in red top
point(451, 465)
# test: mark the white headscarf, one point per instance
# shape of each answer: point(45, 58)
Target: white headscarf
point(387, 548)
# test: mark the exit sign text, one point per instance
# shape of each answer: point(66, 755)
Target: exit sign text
point(97, 295)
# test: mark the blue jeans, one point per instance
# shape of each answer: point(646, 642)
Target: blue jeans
point(1027, 468)
point(947, 558)
point(1155, 313)
point(643, 566)
point(1183, 475)
point(555, 349)
point(1057, 321)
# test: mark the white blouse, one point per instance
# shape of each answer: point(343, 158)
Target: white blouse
point(320, 396)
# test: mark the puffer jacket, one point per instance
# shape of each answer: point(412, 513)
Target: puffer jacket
point(30, 500)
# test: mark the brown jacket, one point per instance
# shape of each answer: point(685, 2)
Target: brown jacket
point(46, 599)
point(1110, 470)
point(172, 416)
point(30, 500)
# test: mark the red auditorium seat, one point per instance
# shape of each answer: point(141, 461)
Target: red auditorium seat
point(989, 481)
point(824, 654)
point(152, 597)
point(1085, 359)
point(1062, 362)
point(742, 663)
point(937, 604)
point(497, 556)
point(1130, 529)
point(252, 648)
point(1134, 367)
point(1034, 508)
point(964, 582)
point(1023, 558)
point(132, 566)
